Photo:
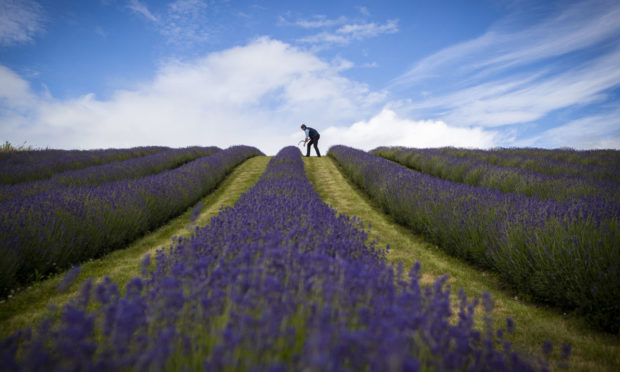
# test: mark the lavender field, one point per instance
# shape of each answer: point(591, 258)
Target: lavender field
point(282, 282)
point(114, 171)
point(20, 166)
point(279, 282)
point(59, 225)
point(555, 237)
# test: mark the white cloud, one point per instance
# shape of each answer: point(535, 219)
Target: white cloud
point(183, 23)
point(20, 21)
point(525, 98)
point(364, 10)
point(257, 94)
point(351, 31)
point(325, 38)
point(186, 22)
point(388, 129)
point(363, 30)
point(320, 21)
point(141, 9)
point(341, 30)
point(578, 27)
point(593, 132)
point(512, 77)
point(14, 91)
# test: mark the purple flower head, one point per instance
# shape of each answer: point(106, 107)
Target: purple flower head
point(69, 278)
point(565, 351)
point(487, 302)
point(510, 325)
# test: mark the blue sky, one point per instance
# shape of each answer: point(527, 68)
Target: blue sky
point(120, 73)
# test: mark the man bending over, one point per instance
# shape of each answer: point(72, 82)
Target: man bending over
point(312, 138)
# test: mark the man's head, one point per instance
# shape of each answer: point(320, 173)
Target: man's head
point(303, 127)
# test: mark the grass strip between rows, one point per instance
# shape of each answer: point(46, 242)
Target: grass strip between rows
point(591, 350)
point(28, 306)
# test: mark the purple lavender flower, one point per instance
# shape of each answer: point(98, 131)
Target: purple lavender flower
point(69, 278)
point(33, 165)
point(55, 229)
point(556, 251)
point(278, 282)
point(496, 170)
point(565, 351)
point(510, 325)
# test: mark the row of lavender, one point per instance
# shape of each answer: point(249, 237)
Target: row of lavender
point(583, 157)
point(603, 166)
point(477, 172)
point(277, 283)
point(119, 170)
point(52, 230)
point(566, 254)
point(22, 166)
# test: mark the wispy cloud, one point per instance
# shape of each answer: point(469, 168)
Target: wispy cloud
point(341, 30)
point(364, 10)
point(186, 22)
point(183, 23)
point(363, 30)
point(579, 27)
point(20, 21)
point(526, 97)
point(141, 9)
point(320, 21)
point(352, 31)
point(569, 60)
point(593, 132)
point(101, 32)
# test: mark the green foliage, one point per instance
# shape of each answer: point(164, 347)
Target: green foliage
point(8, 147)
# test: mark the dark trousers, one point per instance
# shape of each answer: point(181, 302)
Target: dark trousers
point(314, 141)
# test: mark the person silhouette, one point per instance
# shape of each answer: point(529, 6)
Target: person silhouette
point(312, 138)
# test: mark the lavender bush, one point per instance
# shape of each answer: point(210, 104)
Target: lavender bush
point(21, 166)
point(506, 179)
point(277, 283)
point(566, 253)
point(583, 157)
point(605, 169)
point(52, 230)
point(95, 175)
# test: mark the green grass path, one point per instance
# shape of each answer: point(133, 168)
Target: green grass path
point(534, 324)
point(26, 307)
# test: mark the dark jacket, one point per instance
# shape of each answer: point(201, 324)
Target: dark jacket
point(313, 133)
